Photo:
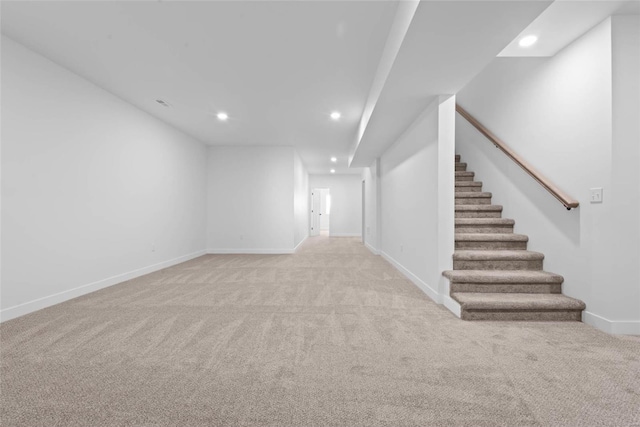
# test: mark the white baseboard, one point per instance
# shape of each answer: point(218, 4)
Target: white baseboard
point(254, 251)
point(618, 327)
point(431, 293)
point(345, 235)
point(371, 248)
point(301, 242)
point(44, 302)
point(452, 305)
point(250, 251)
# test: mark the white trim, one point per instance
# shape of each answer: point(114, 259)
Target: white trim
point(345, 235)
point(419, 283)
point(301, 242)
point(371, 248)
point(44, 302)
point(249, 251)
point(452, 305)
point(622, 327)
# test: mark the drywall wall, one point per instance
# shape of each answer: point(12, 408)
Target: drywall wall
point(250, 199)
point(409, 202)
point(371, 178)
point(346, 202)
point(623, 295)
point(446, 198)
point(94, 190)
point(300, 200)
point(557, 114)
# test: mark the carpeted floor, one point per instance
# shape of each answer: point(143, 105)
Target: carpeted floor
point(330, 336)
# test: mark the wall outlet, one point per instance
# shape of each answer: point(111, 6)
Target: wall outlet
point(153, 247)
point(242, 237)
point(401, 248)
point(596, 195)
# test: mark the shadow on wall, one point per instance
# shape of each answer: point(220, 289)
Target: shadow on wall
point(565, 222)
point(400, 157)
point(524, 187)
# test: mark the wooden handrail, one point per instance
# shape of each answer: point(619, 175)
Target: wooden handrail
point(562, 197)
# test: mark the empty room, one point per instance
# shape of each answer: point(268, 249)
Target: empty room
point(320, 213)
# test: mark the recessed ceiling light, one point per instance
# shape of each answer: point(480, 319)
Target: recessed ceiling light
point(332, 171)
point(222, 116)
point(528, 41)
point(335, 115)
point(334, 159)
point(163, 103)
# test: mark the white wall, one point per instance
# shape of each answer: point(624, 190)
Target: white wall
point(557, 113)
point(250, 199)
point(625, 173)
point(300, 200)
point(346, 202)
point(94, 190)
point(371, 179)
point(446, 198)
point(409, 202)
point(409, 212)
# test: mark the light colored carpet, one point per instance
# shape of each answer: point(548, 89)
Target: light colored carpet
point(330, 336)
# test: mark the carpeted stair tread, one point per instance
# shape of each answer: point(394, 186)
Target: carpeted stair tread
point(484, 221)
point(470, 210)
point(494, 276)
point(484, 225)
point(478, 208)
point(472, 195)
point(516, 301)
point(506, 255)
point(468, 184)
point(502, 276)
point(462, 176)
point(490, 237)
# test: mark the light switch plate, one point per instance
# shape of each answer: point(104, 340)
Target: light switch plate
point(596, 195)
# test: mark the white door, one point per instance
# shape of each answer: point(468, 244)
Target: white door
point(315, 212)
point(325, 209)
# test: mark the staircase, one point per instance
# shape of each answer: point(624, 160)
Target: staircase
point(494, 276)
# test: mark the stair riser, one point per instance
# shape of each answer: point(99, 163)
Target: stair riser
point(537, 295)
point(478, 214)
point(469, 189)
point(484, 229)
point(553, 315)
point(507, 288)
point(473, 201)
point(465, 176)
point(491, 264)
point(467, 245)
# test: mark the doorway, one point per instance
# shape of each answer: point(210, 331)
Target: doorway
point(320, 212)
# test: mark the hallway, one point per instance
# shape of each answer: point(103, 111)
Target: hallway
point(329, 336)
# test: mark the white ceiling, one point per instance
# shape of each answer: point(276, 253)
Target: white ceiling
point(277, 68)
point(565, 21)
point(445, 46)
